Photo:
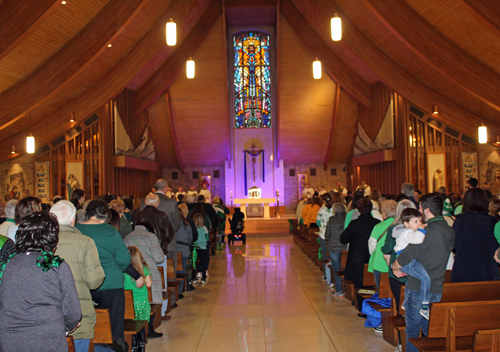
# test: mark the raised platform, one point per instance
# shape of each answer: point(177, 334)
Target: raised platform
point(270, 226)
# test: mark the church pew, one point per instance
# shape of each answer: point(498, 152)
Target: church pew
point(132, 326)
point(102, 328)
point(486, 340)
point(172, 281)
point(155, 310)
point(71, 343)
point(368, 282)
point(182, 276)
point(452, 325)
point(452, 292)
point(167, 293)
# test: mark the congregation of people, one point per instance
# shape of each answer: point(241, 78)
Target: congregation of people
point(61, 261)
point(413, 237)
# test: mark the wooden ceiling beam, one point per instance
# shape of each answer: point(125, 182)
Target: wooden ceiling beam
point(486, 12)
point(336, 69)
point(437, 51)
point(156, 85)
point(178, 155)
point(71, 60)
point(394, 76)
point(21, 18)
point(108, 86)
point(333, 130)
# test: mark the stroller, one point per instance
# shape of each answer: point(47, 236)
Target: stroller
point(237, 227)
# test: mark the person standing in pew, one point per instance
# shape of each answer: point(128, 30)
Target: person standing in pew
point(357, 234)
point(412, 232)
point(80, 252)
point(115, 260)
point(433, 254)
point(38, 297)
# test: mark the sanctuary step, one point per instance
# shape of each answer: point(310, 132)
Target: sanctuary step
point(260, 226)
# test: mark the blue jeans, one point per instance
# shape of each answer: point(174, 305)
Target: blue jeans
point(82, 345)
point(417, 270)
point(414, 321)
point(335, 258)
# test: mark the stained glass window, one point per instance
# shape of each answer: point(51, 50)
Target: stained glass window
point(252, 80)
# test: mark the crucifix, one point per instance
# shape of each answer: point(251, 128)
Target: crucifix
point(253, 154)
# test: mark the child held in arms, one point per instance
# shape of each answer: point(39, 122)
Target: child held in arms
point(412, 231)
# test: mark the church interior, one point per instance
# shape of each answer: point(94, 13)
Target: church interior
point(255, 100)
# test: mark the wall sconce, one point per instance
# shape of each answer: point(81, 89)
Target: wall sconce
point(435, 110)
point(13, 150)
point(72, 117)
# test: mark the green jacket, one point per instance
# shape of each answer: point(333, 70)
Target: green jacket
point(80, 252)
point(377, 261)
point(113, 253)
point(388, 248)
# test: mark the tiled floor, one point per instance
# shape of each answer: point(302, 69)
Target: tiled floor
point(265, 296)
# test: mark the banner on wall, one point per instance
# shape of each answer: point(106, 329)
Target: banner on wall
point(469, 167)
point(42, 181)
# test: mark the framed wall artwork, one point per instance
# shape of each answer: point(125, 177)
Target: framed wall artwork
point(74, 177)
point(436, 171)
point(42, 181)
point(469, 167)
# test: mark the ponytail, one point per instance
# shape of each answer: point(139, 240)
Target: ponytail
point(327, 198)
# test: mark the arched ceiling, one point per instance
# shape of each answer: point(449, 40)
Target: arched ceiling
point(55, 60)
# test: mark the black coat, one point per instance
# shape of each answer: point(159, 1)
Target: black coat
point(475, 245)
point(357, 234)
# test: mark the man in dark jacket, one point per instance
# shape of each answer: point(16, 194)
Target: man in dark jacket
point(433, 254)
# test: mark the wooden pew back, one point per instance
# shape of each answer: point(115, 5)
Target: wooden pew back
point(471, 291)
point(102, 328)
point(462, 318)
point(343, 259)
point(170, 269)
point(129, 305)
point(486, 341)
point(179, 262)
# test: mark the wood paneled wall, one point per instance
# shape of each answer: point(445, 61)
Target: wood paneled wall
point(414, 138)
point(94, 147)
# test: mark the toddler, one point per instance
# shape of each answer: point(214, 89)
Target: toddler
point(412, 231)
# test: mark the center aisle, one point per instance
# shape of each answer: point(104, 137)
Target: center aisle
point(265, 296)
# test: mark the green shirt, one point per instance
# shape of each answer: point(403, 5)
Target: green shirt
point(140, 294)
point(458, 210)
point(496, 232)
point(113, 253)
point(377, 261)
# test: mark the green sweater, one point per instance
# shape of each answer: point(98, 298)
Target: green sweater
point(113, 253)
point(377, 261)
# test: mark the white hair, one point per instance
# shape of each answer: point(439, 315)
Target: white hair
point(65, 212)
point(10, 208)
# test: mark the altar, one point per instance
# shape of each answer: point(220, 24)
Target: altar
point(243, 202)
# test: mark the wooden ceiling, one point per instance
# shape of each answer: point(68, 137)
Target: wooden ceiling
point(55, 60)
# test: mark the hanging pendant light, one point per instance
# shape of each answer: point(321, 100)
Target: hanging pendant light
point(171, 32)
point(317, 69)
point(190, 68)
point(482, 133)
point(30, 144)
point(336, 26)
point(13, 150)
